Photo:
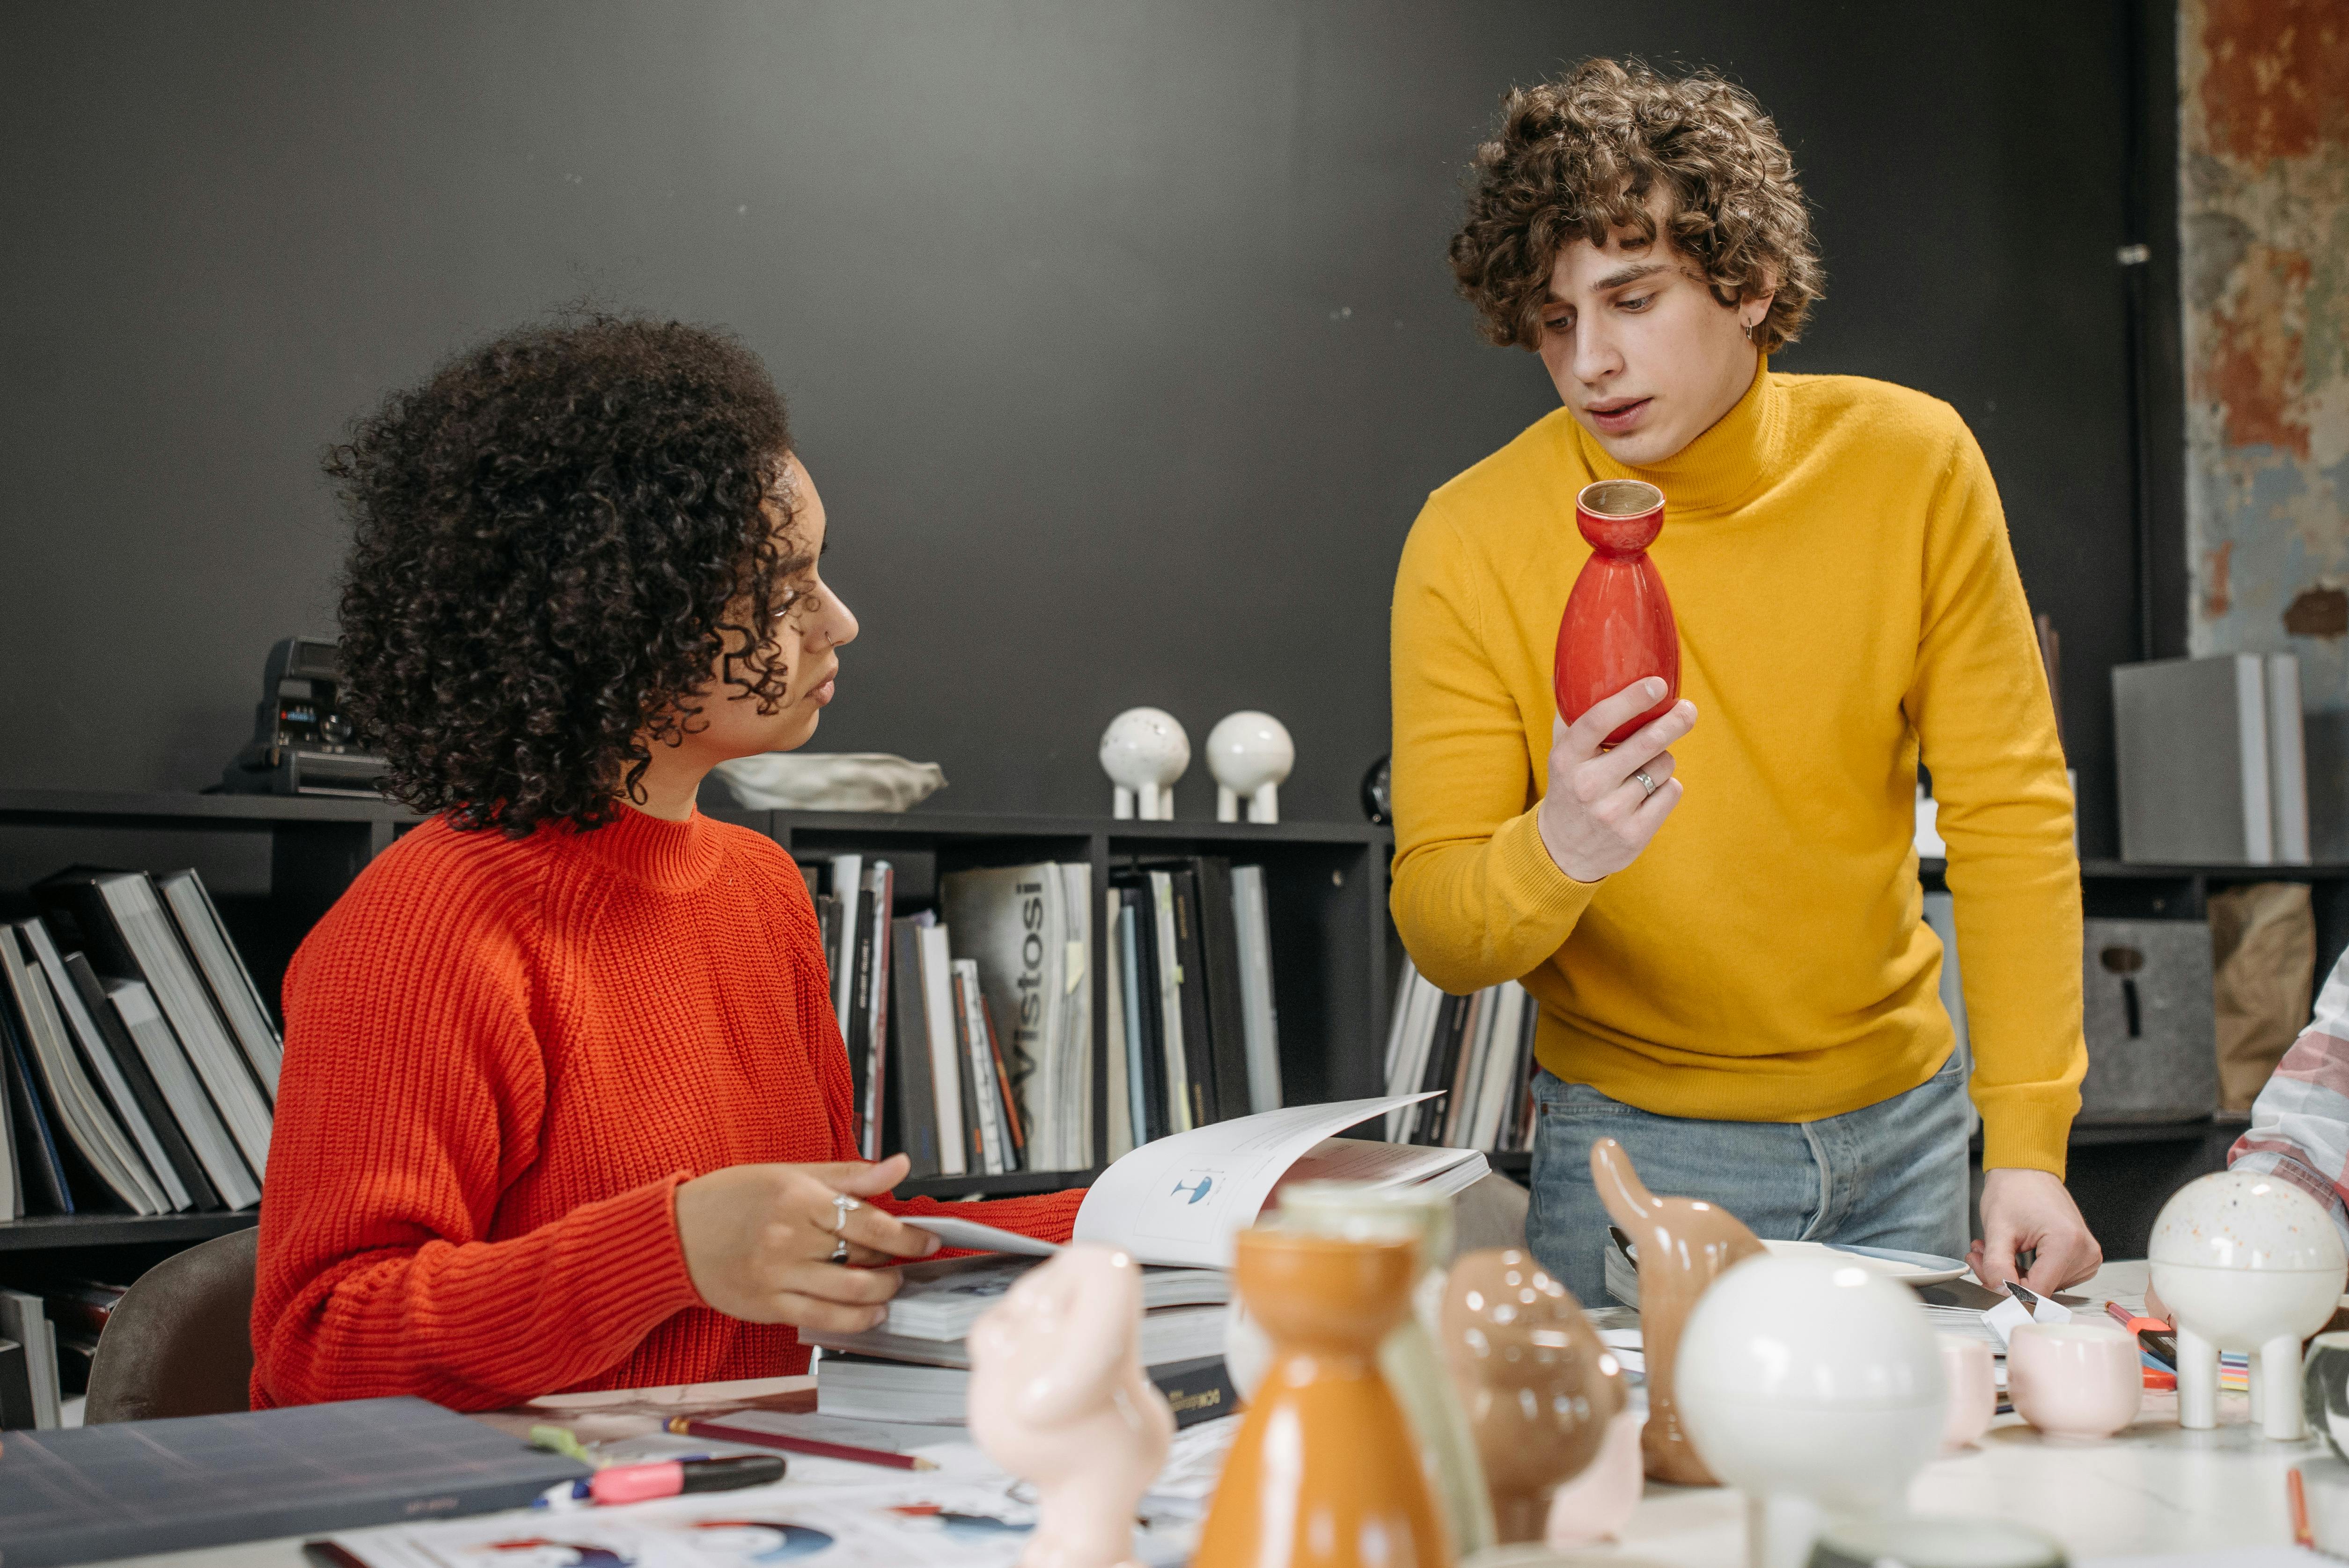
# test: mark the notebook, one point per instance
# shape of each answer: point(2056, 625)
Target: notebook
point(85, 1495)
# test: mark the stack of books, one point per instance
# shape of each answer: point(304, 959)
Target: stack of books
point(1193, 1039)
point(969, 1027)
point(915, 1367)
point(141, 1060)
point(1479, 1048)
point(1174, 1205)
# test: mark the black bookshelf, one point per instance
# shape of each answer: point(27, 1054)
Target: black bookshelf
point(274, 864)
point(1325, 883)
point(55, 1233)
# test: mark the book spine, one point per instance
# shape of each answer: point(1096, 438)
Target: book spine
point(187, 1184)
point(1252, 929)
point(1198, 1390)
point(1146, 1018)
point(854, 1033)
point(223, 969)
point(1219, 954)
point(880, 892)
point(1201, 1057)
point(1015, 1154)
point(2287, 760)
point(913, 1105)
point(847, 880)
point(43, 1173)
point(169, 973)
point(90, 1132)
point(1450, 1025)
point(946, 1055)
point(141, 1154)
point(24, 1319)
point(1523, 1109)
point(978, 1076)
point(1115, 1063)
point(1182, 1104)
point(1078, 1146)
point(2252, 748)
point(1476, 1034)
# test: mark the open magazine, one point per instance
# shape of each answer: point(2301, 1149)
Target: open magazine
point(1181, 1200)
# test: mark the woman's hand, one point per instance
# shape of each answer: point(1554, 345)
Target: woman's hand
point(758, 1241)
point(1595, 818)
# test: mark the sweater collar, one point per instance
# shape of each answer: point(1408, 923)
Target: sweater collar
point(672, 857)
point(1721, 468)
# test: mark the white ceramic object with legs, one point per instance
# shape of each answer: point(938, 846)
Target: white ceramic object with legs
point(1250, 755)
point(1814, 1387)
point(2251, 1264)
point(1144, 750)
point(1058, 1397)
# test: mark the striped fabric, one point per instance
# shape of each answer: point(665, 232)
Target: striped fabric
point(2299, 1123)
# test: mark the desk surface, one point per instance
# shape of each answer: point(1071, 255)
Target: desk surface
point(2154, 1489)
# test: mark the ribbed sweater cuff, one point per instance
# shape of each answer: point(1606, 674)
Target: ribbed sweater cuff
point(2028, 1134)
point(641, 1274)
point(1529, 883)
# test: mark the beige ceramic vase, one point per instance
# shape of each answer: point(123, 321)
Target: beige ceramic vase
point(1324, 1473)
point(1684, 1244)
point(1538, 1387)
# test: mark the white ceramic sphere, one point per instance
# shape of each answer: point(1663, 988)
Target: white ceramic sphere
point(2243, 1258)
point(1812, 1378)
point(2235, 1219)
point(1248, 750)
point(1144, 746)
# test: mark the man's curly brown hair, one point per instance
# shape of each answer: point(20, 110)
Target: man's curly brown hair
point(1579, 157)
point(556, 537)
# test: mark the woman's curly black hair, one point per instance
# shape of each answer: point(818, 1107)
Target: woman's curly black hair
point(556, 537)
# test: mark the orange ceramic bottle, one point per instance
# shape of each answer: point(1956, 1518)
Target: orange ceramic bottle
point(1324, 1473)
point(1618, 625)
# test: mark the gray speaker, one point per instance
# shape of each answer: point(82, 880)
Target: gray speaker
point(2153, 1037)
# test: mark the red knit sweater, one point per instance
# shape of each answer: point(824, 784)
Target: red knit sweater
point(502, 1056)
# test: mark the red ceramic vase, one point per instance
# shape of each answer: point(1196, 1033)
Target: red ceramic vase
point(1618, 624)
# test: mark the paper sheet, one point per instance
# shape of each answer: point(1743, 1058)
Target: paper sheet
point(913, 1524)
point(1182, 1200)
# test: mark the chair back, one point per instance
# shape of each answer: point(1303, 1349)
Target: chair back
point(180, 1342)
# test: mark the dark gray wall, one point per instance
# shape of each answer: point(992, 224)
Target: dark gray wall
point(1119, 337)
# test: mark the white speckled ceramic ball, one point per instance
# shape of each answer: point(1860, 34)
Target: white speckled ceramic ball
point(1250, 755)
point(1144, 750)
point(2246, 1263)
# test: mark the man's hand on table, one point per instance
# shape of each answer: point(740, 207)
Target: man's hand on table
point(1595, 818)
point(2028, 1211)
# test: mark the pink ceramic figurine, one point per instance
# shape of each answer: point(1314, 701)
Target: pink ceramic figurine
point(1058, 1397)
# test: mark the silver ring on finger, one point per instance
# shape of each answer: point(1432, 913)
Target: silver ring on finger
point(1645, 782)
point(842, 1205)
point(839, 1252)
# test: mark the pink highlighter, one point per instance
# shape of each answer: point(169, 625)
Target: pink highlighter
point(666, 1478)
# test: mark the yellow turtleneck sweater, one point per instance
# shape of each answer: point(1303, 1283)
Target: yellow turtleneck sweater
point(1839, 565)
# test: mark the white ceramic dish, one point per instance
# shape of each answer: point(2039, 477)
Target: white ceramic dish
point(1909, 1268)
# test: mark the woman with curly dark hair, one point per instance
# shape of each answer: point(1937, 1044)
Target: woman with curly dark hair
point(565, 1105)
point(1734, 981)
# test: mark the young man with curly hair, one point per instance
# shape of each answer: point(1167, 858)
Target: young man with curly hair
point(1721, 920)
point(563, 1103)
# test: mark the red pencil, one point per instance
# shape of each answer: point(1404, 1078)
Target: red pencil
point(717, 1431)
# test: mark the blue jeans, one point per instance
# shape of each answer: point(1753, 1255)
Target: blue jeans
point(1892, 1174)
